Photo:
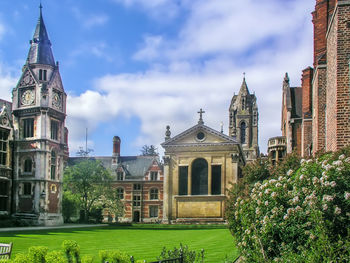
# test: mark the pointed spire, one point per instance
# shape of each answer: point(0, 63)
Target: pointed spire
point(286, 77)
point(244, 88)
point(40, 46)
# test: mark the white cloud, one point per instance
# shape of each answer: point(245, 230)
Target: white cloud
point(7, 83)
point(159, 9)
point(202, 68)
point(90, 20)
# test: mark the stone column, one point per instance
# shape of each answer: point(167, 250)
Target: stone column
point(209, 177)
point(189, 186)
point(166, 190)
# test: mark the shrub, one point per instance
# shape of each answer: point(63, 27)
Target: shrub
point(189, 256)
point(55, 257)
point(300, 216)
point(21, 258)
point(37, 254)
point(113, 256)
point(72, 250)
point(87, 259)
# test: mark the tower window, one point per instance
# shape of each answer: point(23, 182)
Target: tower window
point(27, 188)
point(28, 164)
point(3, 196)
point(243, 131)
point(42, 74)
point(3, 147)
point(53, 165)
point(54, 130)
point(28, 128)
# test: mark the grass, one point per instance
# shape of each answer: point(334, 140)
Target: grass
point(141, 241)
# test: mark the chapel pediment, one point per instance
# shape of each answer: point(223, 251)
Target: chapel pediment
point(200, 134)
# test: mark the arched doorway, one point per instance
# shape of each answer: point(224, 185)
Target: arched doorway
point(136, 217)
point(200, 177)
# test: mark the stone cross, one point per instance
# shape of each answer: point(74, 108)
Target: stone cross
point(201, 116)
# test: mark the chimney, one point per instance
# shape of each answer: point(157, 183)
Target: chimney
point(116, 146)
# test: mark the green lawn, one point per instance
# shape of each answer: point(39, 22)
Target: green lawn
point(141, 241)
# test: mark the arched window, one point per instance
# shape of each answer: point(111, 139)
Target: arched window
point(120, 193)
point(53, 165)
point(243, 131)
point(28, 164)
point(154, 194)
point(200, 177)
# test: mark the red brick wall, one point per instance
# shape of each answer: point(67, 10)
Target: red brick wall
point(331, 111)
point(342, 80)
point(306, 85)
point(320, 20)
point(319, 106)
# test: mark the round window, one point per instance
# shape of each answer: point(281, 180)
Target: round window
point(200, 136)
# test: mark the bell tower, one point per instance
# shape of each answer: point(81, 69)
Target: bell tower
point(40, 141)
point(243, 121)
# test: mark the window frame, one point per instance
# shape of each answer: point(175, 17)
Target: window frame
point(154, 194)
point(4, 147)
point(153, 175)
point(27, 188)
point(28, 128)
point(136, 200)
point(53, 165)
point(120, 193)
point(153, 211)
point(54, 128)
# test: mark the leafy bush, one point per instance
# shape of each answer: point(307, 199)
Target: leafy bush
point(70, 204)
point(72, 250)
point(37, 254)
point(113, 256)
point(87, 259)
point(55, 257)
point(189, 256)
point(302, 215)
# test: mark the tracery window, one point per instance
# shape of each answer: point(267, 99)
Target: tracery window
point(243, 131)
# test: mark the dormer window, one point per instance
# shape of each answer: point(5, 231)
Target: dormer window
point(120, 176)
point(153, 176)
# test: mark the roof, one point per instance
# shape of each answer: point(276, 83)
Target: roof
point(133, 166)
point(40, 46)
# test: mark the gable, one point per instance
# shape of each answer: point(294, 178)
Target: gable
point(56, 81)
point(27, 79)
point(200, 135)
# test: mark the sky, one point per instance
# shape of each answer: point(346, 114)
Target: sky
point(132, 67)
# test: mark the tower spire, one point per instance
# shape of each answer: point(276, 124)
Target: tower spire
point(40, 46)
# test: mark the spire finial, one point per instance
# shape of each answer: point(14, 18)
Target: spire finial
point(244, 75)
point(201, 111)
point(40, 7)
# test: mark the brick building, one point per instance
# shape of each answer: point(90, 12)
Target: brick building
point(315, 116)
point(138, 181)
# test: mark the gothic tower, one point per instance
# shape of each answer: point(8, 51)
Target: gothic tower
point(40, 141)
point(243, 121)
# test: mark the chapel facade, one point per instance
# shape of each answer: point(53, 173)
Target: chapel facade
point(200, 164)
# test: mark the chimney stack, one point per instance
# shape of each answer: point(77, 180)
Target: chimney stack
point(116, 146)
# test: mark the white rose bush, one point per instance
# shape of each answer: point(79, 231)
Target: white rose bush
point(302, 215)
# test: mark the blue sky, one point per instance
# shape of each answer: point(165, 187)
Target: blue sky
point(131, 67)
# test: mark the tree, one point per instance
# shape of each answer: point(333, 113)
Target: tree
point(70, 203)
point(149, 150)
point(90, 181)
